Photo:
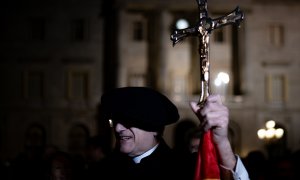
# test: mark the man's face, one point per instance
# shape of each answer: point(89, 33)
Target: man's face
point(134, 141)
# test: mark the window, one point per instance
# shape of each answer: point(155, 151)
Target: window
point(276, 88)
point(136, 80)
point(37, 29)
point(4, 30)
point(33, 84)
point(179, 84)
point(78, 85)
point(35, 135)
point(138, 31)
point(276, 35)
point(78, 137)
point(219, 35)
point(78, 30)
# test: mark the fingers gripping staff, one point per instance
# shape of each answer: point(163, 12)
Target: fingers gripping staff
point(207, 163)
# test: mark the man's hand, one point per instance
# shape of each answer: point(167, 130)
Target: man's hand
point(214, 116)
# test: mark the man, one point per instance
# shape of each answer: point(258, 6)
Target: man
point(139, 116)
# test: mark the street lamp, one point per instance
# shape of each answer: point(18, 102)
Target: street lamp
point(270, 132)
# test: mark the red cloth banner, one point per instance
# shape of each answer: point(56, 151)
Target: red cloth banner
point(207, 165)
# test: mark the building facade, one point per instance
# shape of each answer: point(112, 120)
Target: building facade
point(59, 57)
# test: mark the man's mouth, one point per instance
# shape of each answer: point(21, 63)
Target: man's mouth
point(125, 138)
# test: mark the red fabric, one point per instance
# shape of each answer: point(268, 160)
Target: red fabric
point(207, 166)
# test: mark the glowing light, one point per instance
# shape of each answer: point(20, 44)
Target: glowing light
point(270, 124)
point(261, 133)
point(111, 124)
point(279, 132)
point(270, 132)
point(222, 78)
point(218, 82)
point(182, 24)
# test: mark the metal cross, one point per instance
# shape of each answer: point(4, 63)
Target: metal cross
point(203, 29)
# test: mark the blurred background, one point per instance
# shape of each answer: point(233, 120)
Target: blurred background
point(58, 57)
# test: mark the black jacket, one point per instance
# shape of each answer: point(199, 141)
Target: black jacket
point(163, 163)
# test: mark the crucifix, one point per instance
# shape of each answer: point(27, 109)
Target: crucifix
point(207, 160)
point(203, 29)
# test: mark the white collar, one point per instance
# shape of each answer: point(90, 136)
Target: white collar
point(138, 159)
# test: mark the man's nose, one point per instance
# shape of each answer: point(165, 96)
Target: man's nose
point(119, 127)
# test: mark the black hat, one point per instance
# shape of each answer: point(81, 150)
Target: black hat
point(140, 107)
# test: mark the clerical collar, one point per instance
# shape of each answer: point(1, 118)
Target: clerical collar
point(138, 159)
